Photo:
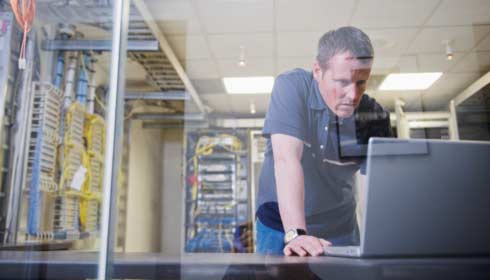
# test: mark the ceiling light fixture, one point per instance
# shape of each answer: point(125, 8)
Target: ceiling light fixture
point(409, 81)
point(248, 85)
point(449, 50)
point(241, 60)
point(252, 108)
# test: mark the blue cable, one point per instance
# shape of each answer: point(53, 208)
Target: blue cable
point(82, 81)
point(59, 70)
point(34, 194)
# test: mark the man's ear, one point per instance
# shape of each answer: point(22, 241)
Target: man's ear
point(317, 71)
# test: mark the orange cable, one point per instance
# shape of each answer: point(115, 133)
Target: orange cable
point(24, 14)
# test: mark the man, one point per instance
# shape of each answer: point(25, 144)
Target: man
point(318, 124)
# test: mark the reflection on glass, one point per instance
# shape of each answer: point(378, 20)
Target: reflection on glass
point(217, 192)
point(188, 182)
point(53, 81)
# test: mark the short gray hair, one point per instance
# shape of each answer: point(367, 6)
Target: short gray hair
point(344, 39)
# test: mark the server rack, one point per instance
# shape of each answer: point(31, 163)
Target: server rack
point(217, 191)
point(52, 145)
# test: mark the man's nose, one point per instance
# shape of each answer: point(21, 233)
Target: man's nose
point(351, 92)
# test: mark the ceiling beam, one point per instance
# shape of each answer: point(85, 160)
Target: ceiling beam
point(169, 117)
point(165, 46)
point(160, 95)
point(97, 45)
point(472, 89)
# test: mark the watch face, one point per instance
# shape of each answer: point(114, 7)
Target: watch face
point(290, 235)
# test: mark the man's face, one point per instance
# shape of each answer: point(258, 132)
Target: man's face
point(343, 83)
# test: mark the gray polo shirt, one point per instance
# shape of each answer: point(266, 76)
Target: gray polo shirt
point(334, 150)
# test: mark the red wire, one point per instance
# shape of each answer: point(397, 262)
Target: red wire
point(24, 14)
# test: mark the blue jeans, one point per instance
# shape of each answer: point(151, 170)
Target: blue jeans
point(271, 242)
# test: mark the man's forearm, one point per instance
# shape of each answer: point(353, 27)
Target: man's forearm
point(290, 193)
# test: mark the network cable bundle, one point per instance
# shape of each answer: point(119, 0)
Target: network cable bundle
point(41, 184)
point(65, 157)
point(53, 134)
point(90, 205)
point(216, 190)
point(72, 174)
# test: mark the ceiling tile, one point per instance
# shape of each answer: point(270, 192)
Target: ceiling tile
point(384, 65)
point(174, 16)
point(463, 38)
point(241, 103)
point(436, 62)
point(392, 13)
point(228, 45)
point(209, 86)
point(254, 67)
point(223, 16)
point(330, 14)
point(390, 42)
point(218, 102)
point(467, 12)
point(484, 45)
point(456, 82)
point(201, 69)
point(294, 44)
point(407, 64)
point(446, 88)
point(473, 62)
point(286, 63)
point(189, 47)
point(294, 15)
point(310, 15)
point(179, 27)
point(170, 9)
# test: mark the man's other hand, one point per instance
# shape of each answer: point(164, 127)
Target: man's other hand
point(306, 245)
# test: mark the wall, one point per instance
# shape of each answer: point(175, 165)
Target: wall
point(172, 194)
point(143, 222)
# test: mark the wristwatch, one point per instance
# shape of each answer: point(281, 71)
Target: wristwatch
point(292, 234)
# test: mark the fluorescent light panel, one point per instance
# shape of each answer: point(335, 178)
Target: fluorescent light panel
point(248, 85)
point(409, 81)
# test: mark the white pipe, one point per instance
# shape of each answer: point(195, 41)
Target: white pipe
point(20, 145)
point(472, 89)
point(70, 79)
point(120, 11)
point(453, 122)
point(91, 88)
point(428, 124)
point(402, 128)
point(426, 115)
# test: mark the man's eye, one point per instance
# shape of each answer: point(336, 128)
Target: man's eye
point(343, 83)
point(361, 83)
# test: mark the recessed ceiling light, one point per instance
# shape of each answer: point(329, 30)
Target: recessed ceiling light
point(248, 85)
point(409, 81)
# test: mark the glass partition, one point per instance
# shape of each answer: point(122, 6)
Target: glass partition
point(200, 103)
point(176, 135)
point(55, 82)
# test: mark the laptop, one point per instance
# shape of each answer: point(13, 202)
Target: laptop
point(424, 198)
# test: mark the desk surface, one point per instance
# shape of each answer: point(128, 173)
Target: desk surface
point(80, 265)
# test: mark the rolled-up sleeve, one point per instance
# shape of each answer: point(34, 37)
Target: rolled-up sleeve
point(287, 108)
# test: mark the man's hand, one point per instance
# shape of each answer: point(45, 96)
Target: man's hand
point(306, 245)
